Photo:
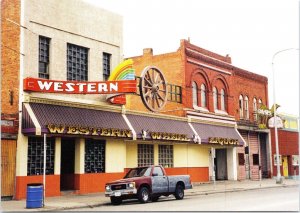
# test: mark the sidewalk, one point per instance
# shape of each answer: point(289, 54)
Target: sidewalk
point(98, 199)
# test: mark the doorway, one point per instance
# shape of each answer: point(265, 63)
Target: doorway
point(67, 164)
point(221, 164)
point(285, 166)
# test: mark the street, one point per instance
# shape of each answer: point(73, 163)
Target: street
point(272, 199)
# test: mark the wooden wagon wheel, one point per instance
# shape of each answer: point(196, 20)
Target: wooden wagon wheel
point(153, 88)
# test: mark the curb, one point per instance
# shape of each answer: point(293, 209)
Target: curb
point(190, 194)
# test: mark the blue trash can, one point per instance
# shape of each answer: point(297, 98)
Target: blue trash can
point(34, 198)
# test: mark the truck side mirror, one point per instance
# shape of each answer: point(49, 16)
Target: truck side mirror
point(154, 174)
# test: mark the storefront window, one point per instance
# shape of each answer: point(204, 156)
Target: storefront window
point(165, 155)
point(145, 154)
point(35, 158)
point(94, 161)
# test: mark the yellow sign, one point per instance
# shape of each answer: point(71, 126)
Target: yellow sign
point(223, 141)
point(168, 136)
point(81, 130)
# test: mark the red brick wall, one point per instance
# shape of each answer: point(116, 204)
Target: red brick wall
point(288, 144)
point(10, 61)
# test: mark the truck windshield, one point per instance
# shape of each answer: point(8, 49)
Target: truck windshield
point(138, 172)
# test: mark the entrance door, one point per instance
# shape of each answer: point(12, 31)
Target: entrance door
point(221, 164)
point(285, 166)
point(8, 167)
point(67, 164)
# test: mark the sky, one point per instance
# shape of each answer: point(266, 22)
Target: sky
point(250, 31)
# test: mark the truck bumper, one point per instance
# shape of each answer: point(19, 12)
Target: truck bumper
point(119, 193)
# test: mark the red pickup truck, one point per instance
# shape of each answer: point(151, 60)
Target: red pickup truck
point(147, 183)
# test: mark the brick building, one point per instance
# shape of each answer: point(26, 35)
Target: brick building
point(206, 87)
point(10, 79)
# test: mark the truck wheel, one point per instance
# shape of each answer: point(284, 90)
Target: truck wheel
point(179, 192)
point(115, 200)
point(144, 195)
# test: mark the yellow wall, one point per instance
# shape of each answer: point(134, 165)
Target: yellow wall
point(115, 155)
point(131, 157)
point(190, 155)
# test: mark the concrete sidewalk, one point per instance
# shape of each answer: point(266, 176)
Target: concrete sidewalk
point(97, 199)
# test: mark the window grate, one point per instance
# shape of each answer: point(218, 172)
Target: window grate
point(165, 155)
point(77, 63)
point(145, 155)
point(94, 156)
point(44, 46)
point(106, 66)
point(35, 158)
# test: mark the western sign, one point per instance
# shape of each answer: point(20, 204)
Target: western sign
point(79, 87)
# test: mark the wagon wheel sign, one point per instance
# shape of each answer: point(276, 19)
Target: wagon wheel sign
point(153, 88)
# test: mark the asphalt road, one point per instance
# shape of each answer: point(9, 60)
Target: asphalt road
point(272, 199)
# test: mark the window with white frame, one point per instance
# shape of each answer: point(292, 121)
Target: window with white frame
point(246, 108)
point(203, 95)
point(195, 93)
point(241, 106)
point(165, 155)
point(215, 97)
point(259, 103)
point(254, 109)
point(223, 100)
point(145, 154)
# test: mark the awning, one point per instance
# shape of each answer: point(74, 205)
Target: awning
point(154, 128)
point(218, 135)
point(55, 119)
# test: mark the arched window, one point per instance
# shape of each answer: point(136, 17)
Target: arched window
point(215, 97)
point(259, 103)
point(254, 109)
point(246, 106)
point(241, 106)
point(223, 100)
point(203, 95)
point(195, 94)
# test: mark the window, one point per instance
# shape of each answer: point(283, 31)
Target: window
point(165, 155)
point(77, 63)
point(174, 93)
point(259, 103)
point(145, 154)
point(35, 158)
point(254, 109)
point(203, 95)
point(44, 46)
point(223, 100)
point(106, 66)
point(94, 157)
point(157, 170)
point(215, 97)
point(241, 108)
point(246, 108)
point(241, 159)
point(255, 159)
point(195, 93)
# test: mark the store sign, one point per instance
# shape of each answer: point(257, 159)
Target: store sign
point(295, 160)
point(275, 121)
point(275, 160)
point(79, 87)
point(223, 141)
point(94, 131)
point(168, 136)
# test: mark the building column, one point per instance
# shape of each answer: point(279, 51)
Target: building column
point(57, 160)
point(79, 155)
point(22, 153)
point(232, 163)
point(155, 154)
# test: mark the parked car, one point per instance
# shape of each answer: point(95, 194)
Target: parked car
point(147, 183)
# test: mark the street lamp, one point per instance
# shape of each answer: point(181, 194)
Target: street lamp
point(278, 177)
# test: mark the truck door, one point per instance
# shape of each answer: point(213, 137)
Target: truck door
point(160, 183)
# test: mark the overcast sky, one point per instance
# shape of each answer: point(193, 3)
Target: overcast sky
point(250, 31)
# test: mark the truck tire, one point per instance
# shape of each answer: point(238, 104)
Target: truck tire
point(116, 200)
point(179, 192)
point(144, 195)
